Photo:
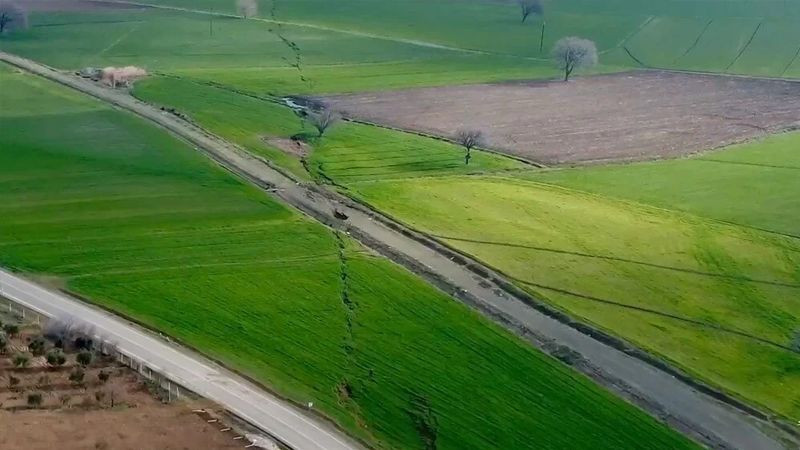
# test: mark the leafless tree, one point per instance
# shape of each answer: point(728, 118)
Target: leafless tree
point(12, 17)
point(247, 8)
point(323, 119)
point(469, 139)
point(530, 8)
point(572, 53)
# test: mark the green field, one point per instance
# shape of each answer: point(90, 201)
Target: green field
point(717, 300)
point(139, 222)
point(754, 184)
point(249, 54)
point(705, 35)
point(356, 45)
point(595, 256)
point(349, 152)
point(696, 259)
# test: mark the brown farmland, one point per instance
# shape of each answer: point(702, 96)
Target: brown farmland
point(622, 117)
point(118, 412)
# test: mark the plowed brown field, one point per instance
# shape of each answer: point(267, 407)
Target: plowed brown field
point(630, 116)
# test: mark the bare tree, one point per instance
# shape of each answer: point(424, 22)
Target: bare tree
point(247, 8)
point(323, 119)
point(530, 8)
point(572, 53)
point(469, 139)
point(12, 17)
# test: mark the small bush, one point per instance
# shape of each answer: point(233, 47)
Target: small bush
point(13, 382)
point(84, 358)
point(37, 346)
point(34, 399)
point(21, 360)
point(103, 376)
point(3, 343)
point(77, 376)
point(56, 358)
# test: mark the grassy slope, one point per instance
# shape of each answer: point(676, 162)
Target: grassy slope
point(753, 184)
point(353, 154)
point(666, 41)
point(598, 258)
point(141, 223)
point(349, 152)
point(249, 54)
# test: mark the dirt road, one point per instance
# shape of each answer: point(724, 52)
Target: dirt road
point(706, 419)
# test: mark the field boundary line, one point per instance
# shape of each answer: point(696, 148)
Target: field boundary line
point(791, 62)
point(122, 37)
point(637, 60)
point(705, 414)
point(696, 41)
point(746, 45)
point(623, 260)
point(659, 208)
point(630, 35)
point(305, 99)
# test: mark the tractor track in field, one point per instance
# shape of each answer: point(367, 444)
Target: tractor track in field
point(702, 412)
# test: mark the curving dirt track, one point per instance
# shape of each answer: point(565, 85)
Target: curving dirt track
point(685, 406)
point(622, 117)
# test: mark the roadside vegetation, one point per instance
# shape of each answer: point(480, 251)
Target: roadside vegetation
point(141, 223)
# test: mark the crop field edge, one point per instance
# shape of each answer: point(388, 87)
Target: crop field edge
point(428, 277)
point(580, 324)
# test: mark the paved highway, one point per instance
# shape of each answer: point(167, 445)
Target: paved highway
point(277, 417)
point(709, 421)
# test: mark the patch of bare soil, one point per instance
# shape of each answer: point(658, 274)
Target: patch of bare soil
point(45, 406)
point(631, 116)
point(290, 146)
point(73, 5)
